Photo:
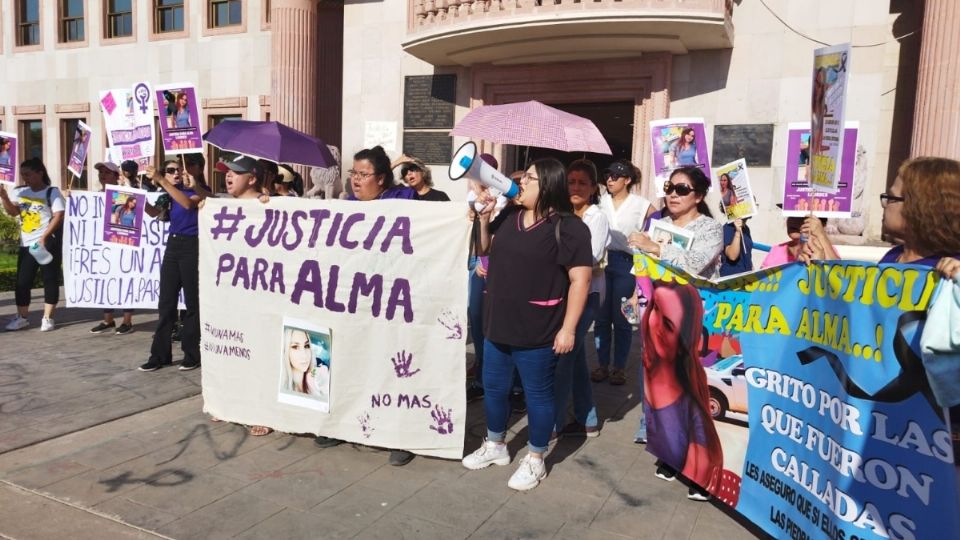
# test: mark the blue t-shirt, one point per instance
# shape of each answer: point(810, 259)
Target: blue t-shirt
point(183, 221)
point(745, 262)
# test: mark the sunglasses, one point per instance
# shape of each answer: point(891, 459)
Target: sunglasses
point(171, 170)
point(682, 189)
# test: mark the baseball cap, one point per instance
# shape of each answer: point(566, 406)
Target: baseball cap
point(112, 167)
point(130, 166)
point(242, 164)
point(618, 169)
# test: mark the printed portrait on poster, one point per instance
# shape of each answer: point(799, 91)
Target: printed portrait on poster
point(305, 365)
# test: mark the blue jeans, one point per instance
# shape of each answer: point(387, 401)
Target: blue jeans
point(477, 288)
point(572, 374)
point(536, 367)
point(620, 284)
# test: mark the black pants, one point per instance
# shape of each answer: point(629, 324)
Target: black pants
point(180, 270)
point(27, 267)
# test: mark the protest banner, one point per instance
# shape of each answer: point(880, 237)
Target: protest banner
point(830, 68)
point(128, 119)
point(373, 290)
point(99, 274)
point(180, 118)
point(677, 142)
point(78, 150)
point(8, 158)
point(808, 424)
point(799, 198)
point(123, 215)
point(736, 195)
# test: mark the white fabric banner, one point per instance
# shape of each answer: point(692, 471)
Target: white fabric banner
point(340, 318)
point(101, 274)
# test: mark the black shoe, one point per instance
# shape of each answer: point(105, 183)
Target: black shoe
point(697, 493)
point(152, 365)
point(124, 329)
point(474, 392)
point(175, 335)
point(399, 458)
point(187, 365)
point(102, 327)
point(326, 442)
point(665, 473)
point(518, 403)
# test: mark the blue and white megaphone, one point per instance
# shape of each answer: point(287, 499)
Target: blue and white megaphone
point(467, 163)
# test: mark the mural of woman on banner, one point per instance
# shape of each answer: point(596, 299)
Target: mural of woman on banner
point(680, 430)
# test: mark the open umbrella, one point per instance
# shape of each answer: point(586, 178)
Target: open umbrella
point(271, 141)
point(532, 123)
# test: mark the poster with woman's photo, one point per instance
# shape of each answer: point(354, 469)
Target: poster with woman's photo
point(736, 195)
point(179, 112)
point(830, 69)
point(676, 143)
point(799, 198)
point(128, 120)
point(78, 150)
point(666, 234)
point(305, 365)
point(123, 215)
point(8, 158)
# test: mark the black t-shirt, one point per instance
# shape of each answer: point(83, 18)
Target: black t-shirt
point(433, 195)
point(527, 281)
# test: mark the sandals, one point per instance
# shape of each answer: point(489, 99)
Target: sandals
point(260, 431)
point(618, 377)
point(600, 374)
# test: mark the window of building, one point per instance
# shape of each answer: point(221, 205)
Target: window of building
point(31, 139)
point(71, 20)
point(224, 13)
point(68, 131)
point(216, 179)
point(28, 22)
point(168, 16)
point(119, 21)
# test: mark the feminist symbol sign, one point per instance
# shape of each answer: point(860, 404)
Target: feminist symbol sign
point(142, 94)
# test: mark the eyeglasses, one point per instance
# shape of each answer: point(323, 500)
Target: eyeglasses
point(886, 198)
point(172, 170)
point(360, 174)
point(682, 189)
point(527, 178)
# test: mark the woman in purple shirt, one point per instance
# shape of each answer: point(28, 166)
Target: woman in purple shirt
point(372, 177)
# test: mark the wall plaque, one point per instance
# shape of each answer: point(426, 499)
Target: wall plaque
point(429, 101)
point(753, 142)
point(431, 147)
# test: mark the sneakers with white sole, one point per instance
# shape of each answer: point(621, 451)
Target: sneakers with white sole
point(47, 325)
point(17, 323)
point(490, 453)
point(528, 475)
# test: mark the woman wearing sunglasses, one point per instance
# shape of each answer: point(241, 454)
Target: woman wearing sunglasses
point(685, 208)
point(180, 269)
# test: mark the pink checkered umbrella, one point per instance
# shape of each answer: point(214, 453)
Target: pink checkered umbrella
point(532, 123)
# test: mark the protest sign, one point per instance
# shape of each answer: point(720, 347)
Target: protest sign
point(179, 118)
point(371, 292)
point(123, 215)
point(128, 119)
point(799, 199)
point(99, 274)
point(830, 68)
point(736, 195)
point(667, 234)
point(78, 150)
point(808, 424)
point(8, 158)
point(380, 133)
point(677, 142)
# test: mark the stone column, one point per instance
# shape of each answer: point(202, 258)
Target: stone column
point(293, 78)
point(936, 122)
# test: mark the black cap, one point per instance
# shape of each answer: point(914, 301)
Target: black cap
point(618, 169)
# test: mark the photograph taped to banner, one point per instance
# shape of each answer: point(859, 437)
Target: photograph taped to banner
point(305, 358)
point(123, 215)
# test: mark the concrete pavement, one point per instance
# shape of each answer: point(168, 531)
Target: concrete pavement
point(90, 448)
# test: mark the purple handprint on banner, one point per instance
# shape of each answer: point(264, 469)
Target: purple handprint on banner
point(442, 420)
point(401, 365)
point(365, 428)
point(452, 323)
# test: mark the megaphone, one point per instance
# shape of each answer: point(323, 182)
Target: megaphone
point(467, 163)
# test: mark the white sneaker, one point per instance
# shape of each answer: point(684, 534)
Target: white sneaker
point(47, 325)
point(528, 475)
point(17, 323)
point(490, 453)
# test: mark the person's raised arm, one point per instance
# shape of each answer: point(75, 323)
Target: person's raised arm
point(8, 206)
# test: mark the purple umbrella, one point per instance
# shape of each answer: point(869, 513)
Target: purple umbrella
point(271, 141)
point(532, 123)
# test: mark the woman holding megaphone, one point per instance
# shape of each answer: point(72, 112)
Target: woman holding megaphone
point(537, 285)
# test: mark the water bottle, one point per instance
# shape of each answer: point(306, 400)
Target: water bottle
point(628, 312)
point(41, 254)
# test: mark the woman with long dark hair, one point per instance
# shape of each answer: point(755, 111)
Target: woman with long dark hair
point(40, 208)
point(684, 149)
point(538, 281)
point(676, 398)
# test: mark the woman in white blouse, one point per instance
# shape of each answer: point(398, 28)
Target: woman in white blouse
point(626, 213)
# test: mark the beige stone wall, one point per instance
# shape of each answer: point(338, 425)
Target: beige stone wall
point(235, 65)
point(765, 79)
